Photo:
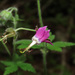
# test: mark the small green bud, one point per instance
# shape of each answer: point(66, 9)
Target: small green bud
point(10, 32)
point(5, 15)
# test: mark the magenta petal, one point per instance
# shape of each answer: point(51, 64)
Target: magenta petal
point(47, 41)
point(40, 32)
point(45, 36)
point(42, 28)
point(41, 35)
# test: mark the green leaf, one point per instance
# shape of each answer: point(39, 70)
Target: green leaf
point(10, 69)
point(63, 44)
point(26, 67)
point(22, 46)
point(53, 47)
point(7, 63)
point(51, 37)
point(23, 42)
point(57, 46)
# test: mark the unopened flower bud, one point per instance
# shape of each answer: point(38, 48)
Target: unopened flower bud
point(11, 32)
point(5, 15)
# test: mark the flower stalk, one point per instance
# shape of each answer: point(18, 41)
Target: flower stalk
point(24, 29)
point(15, 25)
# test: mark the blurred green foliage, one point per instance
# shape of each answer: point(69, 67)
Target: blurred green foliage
point(18, 62)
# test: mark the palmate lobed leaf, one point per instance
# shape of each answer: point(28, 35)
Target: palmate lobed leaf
point(7, 63)
point(57, 46)
point(63, 44)
point(27, 42)
point(13, 66)
point(10, 69)
point(22, 46)
point(26, 67)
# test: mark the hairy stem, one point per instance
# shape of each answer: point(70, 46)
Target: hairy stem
point(44, 58)
point(44, 64)
point(39, 13)
point(44, 52)
point(14, 39)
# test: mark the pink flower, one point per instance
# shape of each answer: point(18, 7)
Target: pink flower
point(41, 36)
